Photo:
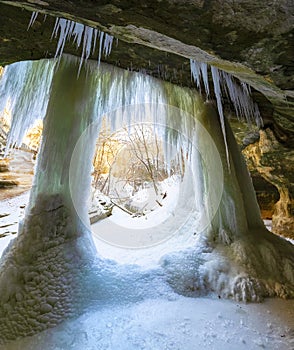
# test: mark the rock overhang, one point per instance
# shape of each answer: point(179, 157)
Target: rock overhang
point(251, 41)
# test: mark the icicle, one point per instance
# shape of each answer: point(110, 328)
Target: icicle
point(55, 27)
point(27, 86)
point(124, 98)
point(94, 40)
point(63, 26)
point(33, 19)
point(203, 68)
point(217, 90)
point(78, 34)
point(101, 35)
point(87, 43)
point(196, 73)
point(115, 91)
point(240, 95)
point(67, 29)
point(107, 44)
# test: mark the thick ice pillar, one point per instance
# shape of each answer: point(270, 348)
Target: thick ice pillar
point(238, 212)
point(42, 272)
point(247, 262)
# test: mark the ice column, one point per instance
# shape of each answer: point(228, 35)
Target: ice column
point(69, 112)
point(238, 212)
point(48, 261)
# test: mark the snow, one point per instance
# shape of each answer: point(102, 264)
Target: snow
point(116, 242)
point(135, 309)
point(14, 207)
point(173, 323)
point(154, 214)
point(130, 308)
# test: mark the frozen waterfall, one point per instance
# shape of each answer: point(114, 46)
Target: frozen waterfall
point(51, 271)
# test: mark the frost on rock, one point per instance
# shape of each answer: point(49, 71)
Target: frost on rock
point(49, 273)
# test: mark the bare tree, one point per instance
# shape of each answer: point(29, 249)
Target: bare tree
point(130, 161)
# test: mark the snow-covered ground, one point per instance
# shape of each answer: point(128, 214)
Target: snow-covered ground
point(147, 314)
point(174, 323)
point(11, 212)
point(144, 239)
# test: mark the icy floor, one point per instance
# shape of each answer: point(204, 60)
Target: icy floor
point(159, 319)
point(176, 323)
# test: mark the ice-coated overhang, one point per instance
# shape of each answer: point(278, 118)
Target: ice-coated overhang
point(162, 36)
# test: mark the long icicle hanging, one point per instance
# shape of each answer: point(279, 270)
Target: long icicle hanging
point(218, 95)
point(239, 94)
point(33, 19)
point(80, 34)
point(67, 29)
point(24, 91)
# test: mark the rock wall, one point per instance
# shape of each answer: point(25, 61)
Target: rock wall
point(274, 163)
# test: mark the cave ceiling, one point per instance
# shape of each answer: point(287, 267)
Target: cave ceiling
point(253, 40)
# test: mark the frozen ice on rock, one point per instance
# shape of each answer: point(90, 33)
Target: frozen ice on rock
point(149, 302)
